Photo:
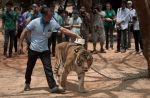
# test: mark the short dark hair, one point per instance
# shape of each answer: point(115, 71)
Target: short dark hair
point(45, 10)
point(9, 4)
point(124, 2)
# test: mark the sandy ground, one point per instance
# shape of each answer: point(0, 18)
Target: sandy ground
point(115, 76)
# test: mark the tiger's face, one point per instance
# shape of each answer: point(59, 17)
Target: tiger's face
point(84, 61)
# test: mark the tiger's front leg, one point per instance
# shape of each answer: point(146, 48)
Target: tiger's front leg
point(63, 77)
point(81, 88)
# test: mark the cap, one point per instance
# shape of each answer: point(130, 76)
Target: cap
point(129, 2)
point(34, 5)
point(80, 41)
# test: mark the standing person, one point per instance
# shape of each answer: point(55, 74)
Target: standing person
point(56, 35)
point(130, 29)
point(60, 22)
point(85, 26)
point(122, 21)
point(98, 31)
point(20, 28)
point(35, 13)
point(75, 22)
point(137, 34)
point(9, 24)
point(66, 18)
point(109, 25)
point(41, 29)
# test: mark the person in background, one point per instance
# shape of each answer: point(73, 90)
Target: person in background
point(98, 33)
point(85, 26)
point(56, 35)
point(122, 21)
point(75, 22)
point(40, 29)
point(9, 24)
point(109, 25)
point(66, 19)
point(30, 15)
point(20, 28)
point(137, 34)
point(27, 15)
point(61, 23)
point(35, 13)
point(130, 29)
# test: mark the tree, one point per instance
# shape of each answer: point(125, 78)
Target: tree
point(143, 6)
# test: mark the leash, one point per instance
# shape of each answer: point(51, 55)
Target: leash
point(123, 78)
point(94, 69)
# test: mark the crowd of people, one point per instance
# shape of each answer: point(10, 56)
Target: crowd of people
point(43, 28)
point(101, 24)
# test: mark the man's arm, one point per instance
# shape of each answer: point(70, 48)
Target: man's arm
point(69, 33)
point(2, 26)
point(77, 26)
point(22, 37)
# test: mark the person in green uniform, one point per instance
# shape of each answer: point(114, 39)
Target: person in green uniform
point(109, 25)
point(9, 23)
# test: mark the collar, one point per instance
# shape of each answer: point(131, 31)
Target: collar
point(42, 21)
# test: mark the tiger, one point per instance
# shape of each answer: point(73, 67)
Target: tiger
point(71, 57)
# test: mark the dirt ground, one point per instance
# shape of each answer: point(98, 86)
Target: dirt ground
point(115, 75)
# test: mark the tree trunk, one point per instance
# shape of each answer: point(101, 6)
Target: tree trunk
point(143, 10)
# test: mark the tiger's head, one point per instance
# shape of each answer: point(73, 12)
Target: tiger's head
point(84, 60)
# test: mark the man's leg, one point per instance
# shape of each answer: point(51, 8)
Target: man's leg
point(46, 60)
point(94, 44)
point(11, 43)
point(118, 40)
point(32, 58)
point(54, 37)
point(111, 37)
point(124, 40)
point(59, 37)
point(6, 41)
point(107, 37)
point(86, 37)
point(15, 43)
point(140, 40)
point(129, 38)
point(136, 40)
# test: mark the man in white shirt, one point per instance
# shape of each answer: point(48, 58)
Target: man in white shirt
point(122, 26)
point(130, 29)
point(137, 34)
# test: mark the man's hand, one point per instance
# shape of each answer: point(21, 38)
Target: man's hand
point(16, 32)
point(3, 31)
point(109, 20)
point(20, 49)
point(79, 37)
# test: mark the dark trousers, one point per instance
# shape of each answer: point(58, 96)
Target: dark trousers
point(52, 41)
point(138, 40)
point(59, 38)
point(66, 38)
point(16, 38)
point(109, 36)
point(85, 35)
point(121, 34)
point(9, 39)
point(45, 58)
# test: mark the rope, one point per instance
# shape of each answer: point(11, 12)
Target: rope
point(94, 69)
point(123, 78)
